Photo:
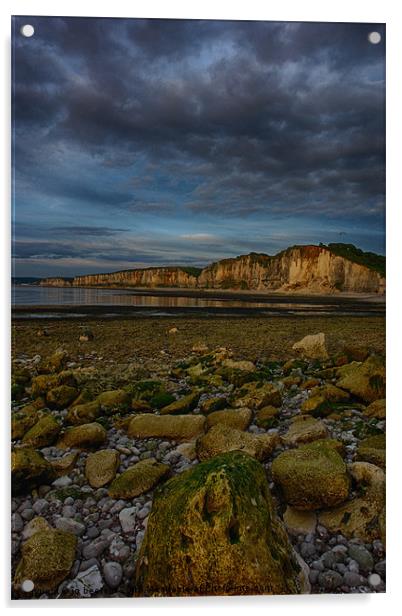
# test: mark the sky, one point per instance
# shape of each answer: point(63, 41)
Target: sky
point(141, 143)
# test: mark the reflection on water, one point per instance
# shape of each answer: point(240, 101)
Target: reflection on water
point(53, 296)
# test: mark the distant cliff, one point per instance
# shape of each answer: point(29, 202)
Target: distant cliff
point(310, 269)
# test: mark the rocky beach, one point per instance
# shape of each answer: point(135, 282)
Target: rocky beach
point(172, 457)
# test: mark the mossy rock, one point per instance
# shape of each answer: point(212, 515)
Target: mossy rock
point(29, 468)
point(267, 417)
point(234, 418)
point(183, 405)
point(294, 364)
point(376, 409)
point(26, 417)
point(176, 427)
point(312, 476)
point(366, 380)
point(255, 395)
point(213, 404)
point(361, 516)
point(355, 352)
point(55, 363)
point(138, 479)
point(85, 436)
point(43, 433)
point(213, 530)
point(44, 382)
point(289, 381)
point(304, 429)
point(114, 401)
point(236, 376)
point(83, 413)
point(372, 449)
point(47, 559)
point(101, 467)
point(64, 466)
point(221, 439)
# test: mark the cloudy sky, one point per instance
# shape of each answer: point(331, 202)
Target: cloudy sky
point(161, 142)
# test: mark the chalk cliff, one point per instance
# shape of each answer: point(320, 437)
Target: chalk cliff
point(310, 269)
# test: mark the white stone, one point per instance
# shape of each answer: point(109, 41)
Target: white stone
point(128, 517)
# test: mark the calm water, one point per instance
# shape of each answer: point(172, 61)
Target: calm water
point(119, 301)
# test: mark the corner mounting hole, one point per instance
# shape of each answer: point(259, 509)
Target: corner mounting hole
point(27, 585)
point(374, 38)
point(27, 30)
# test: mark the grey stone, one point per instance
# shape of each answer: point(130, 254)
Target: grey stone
point(113, 573)
point(380, 568)
point(27, 514)
point(95, 548)
point(17, 523)
point(40, 506)
point(362, 556)
point(62, 482)
point(307, 550)
point(128, 519)
point(70, 526)
point(86, 583)
point(374, 580)
point(92, 532)
point(68, 511)
point(350, 578)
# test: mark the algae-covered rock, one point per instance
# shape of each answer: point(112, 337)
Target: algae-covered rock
point(138, 479)
point(29, 468)
point(366, 380)
point(213, 404)
point(312, 346)
point(47, 558)
point(304, 429)
point(83, 437)
point(101, 467)
point(43, 433)
point(372, 449)
point(115, 401)
point(312, 476)
point(361, 516)
point(56, 362)
point(44, 382)
point(63, 466)
point(61, 397)
point(213, 530)
point(267, 417)
point(221, 439)
point(234, 418)
point(83, 413)
point(256, 395)
point(322, 400)
point(183, 405)
point(177, 427)
point(26, 417)
point(376, 409)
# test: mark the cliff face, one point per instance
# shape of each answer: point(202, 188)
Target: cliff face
point(310, 269)
point(306, 268)
point(55, 282)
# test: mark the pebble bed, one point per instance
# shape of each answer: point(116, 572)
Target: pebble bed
point(110, 532)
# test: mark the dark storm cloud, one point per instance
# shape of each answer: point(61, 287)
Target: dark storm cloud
point(197, 118)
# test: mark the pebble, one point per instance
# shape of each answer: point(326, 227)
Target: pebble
point(350, 578)
point(113, 574)
point(330, 580)
point(128, 519)
point(95, 548)
point(40, 506)
point(17, 523)
point(374, 580)
point(62, 482)
point(70, 526)
point(362, 556)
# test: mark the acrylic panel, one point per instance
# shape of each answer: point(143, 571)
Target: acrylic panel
point(198, 318)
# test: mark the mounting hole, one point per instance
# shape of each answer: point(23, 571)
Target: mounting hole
point(27, 585)
point(374, 38)
point(27, 30)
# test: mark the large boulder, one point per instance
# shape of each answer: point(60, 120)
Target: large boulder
point(183, 405)
point(101, 467)
point(234, 418)
point(85, 436)
point(213, 530)
point(362, 516)
point(29, 468)
point(176, 427)
point(47, 558)
point(312, 347)
point(366, 380)
point(221, 439)
point(312, 476)
point(255, 395)
point(138, 479)
point(43, 433)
